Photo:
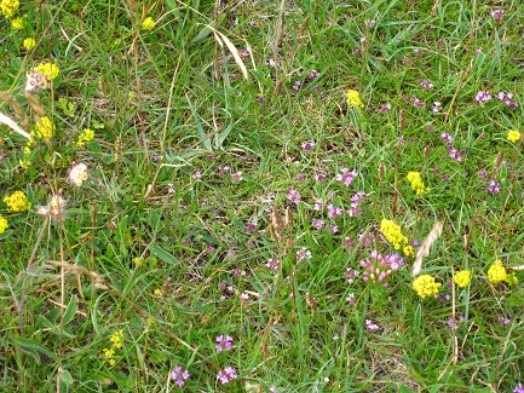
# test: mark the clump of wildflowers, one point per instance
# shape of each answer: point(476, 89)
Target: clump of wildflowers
point(462, 278)
point(17, 24)
point(426, 286)
point(78, 174)
point(148, 23)
point(29, 43)
point(3, 224)
point(224, 343)
point(116, 343)
point(179, 376)
point(353, 99)
point(87, 135)
point(482, 96)
point(54, 209)
point(227, 375)
point(417, 184)
point(497, 272)
point(9, 7)
point(393, 233)
point(346, 176)
point(514, 136)
point(378, 268)
point(44, 128)
point(17, 202)
point(49, 70)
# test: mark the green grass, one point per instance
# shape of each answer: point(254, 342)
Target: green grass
point(146, 247)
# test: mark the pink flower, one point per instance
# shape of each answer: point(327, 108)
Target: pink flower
point(426, 84)
point(224, 343)
point(179, 376)
point(497, 14)
point(273, 264)
point(317, 223)
point(371, 326)
point(347, 176)
point(437, 106)
point(334, 211)
point(417, 102)
point(482, 96)
point(294, 196)
point(227, 375)
point(447, 138)
point(494, 187)
point(385, 108)
point(308, 146)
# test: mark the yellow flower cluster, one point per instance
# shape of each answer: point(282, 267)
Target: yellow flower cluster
point(497, 272)
point(462, 278)
point(44, 128)
point(9, 7)
point(29, 43)
point(148, 23)
point(116, 339)
point(353, 99)
point(393, 234)
point(17, 202)
point(87, 135)
point(17, 24)
point(50, 70)
point(514, 136)
point(3, 224)
point(417, 184)
point(425, 286)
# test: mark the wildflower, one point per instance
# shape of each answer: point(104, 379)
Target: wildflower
point(297, 85)
point(313, 75)
point(237, 177)
point(308, 146)
point(353, 99)
point(369, 23)
point(158, 293)
point(392, 233)
point(3, 224)
point(303, 254)
point(179, 376)
point(54, 209)
point(446, 137)
point(44, 128)
point(514, 136)
point(317, 223)
point(385, 108)
point(497, 272)
point(244, 53)
point(29, 43)
point(17, 24)
point(17, 202)
point(371, 326)
point(417, 102)
point(333, 228)
point(437, 106)
point(426, 84)
point(294, 196)
point(148, 23)
point(351, 274)
point(378, 268)
point(78, 174)
point(35, 81)
point(417, 184)
point(224, 343)
point(334, 211)
point(251, 226)
point(50, 70)
point(482, 96)
point(425, 286)
point(116, 338)
point(518, 389)
point(87, 135)
point(356, 199)
point(504, 321)
point(462, 278)
point(483, 174)
point(497, 14)
point(452, 324)
point(273, 264)
point(320, 176)
point(197, 175)
point(494, 187)
point(347, 176)
point(408, 251)
point(506, 97)
point(9, 7)
point(108, 355)
point(455, 154)
point(227, 375)
point(352, 299)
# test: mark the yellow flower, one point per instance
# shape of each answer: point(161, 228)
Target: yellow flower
point(9, 7)
point(353, 99)
point(87, 135)
point(17, 24)
point(44, 128)
point(158, 293)
point(29, 43)
point(425, 286)
point(416, 182)
point(408, 251)
point(3, 224)
point(108, 354)
point(24, 163)
point(513, 136)
point(148, 23)
point(462, 278)
point(117, 338)
point(393, 233)
point(50, 70)
point(497, 272)
point(17, 202)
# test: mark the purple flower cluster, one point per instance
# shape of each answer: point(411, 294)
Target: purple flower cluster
point(356, 200)
point(378, 268)
point(347, 176)
point(224, 343)
point(294, 196)
point(482, 97)
point(273, 264)
point(227, 375)
point(179, 376)
point(506, 97)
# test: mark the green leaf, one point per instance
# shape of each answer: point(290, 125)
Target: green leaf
point(31, 348)
point(66, 378)
point(70, 311)
point(163, 255)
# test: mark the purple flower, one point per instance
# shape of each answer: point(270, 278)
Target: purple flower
point(437, 106)
point(378, 268)
point(273, 264)
point(317, 223)
point(294, 196)
point(482, 96)
point(385, 108)
point(351, 274)
point(303, 254)
point(455, 154)
point(494, 187)
point(504, 321)
point(452, 324)
point(371, 326)
point(320, 176)
point(369, 23)
point(518, 389)
point(506, 97)
point(348, 243)
point(308, 146)
point(352, 299)
point(179, 376)
point(297, 85)
point(447, 138)
point(197, 175)
point(237, 177)
point(333, 228)
point(319, 205)
point(417, 102)
point(497, 14)
point(227, 375)
point(483, 174)
point(224, 343)
point(334, 211)
point(347, 176)
point(301, 177)
point(244, 52)
point(251, 226)
point(261, 100)
point(426, 84)
point(313, 74)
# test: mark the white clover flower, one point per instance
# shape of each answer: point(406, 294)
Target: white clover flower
point(78, 174)
point(54, 209)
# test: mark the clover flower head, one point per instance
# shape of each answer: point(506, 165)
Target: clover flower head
point(426, 286)
point(78, 174)
point(9, 7)
point(17, 202)
point(497, 272)
point(54, 209)
point(514, 136)
point(148, 23)
point(416, 182)
point(3, 224)
point(462, 278)
point(353, 99)
point(227, 375)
